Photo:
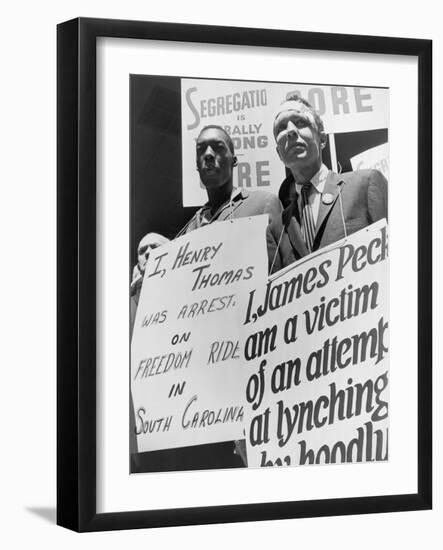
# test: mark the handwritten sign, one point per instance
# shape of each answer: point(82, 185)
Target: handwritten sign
point(246, 110)
point(315, 340)
point(376, 157)
point(186, 373)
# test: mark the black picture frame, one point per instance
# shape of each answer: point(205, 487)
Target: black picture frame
point(76, 278)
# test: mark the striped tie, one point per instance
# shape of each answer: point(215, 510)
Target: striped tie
point(307, 217)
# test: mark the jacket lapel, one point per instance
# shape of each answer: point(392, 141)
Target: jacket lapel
point(224, 212)
point(293, 230)
point(332, 188)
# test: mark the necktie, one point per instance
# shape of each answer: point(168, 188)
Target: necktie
point(307, 217)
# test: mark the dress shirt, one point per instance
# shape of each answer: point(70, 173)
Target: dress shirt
point(318, 184)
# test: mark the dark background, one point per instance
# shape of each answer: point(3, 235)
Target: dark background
point(156, 159)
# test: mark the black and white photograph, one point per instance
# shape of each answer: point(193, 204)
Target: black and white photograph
point(221, 282)
point(258, 274)
point(244, 274)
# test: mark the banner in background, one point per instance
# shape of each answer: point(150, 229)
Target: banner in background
point(247, 110)
point(186, 372)
point(376, 158)
point(315, 342)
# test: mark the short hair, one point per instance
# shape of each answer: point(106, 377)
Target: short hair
point(216, 127)
point(152, 239)
point(296, 97)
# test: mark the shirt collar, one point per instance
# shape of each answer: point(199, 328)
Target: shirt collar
point(318, 180)
point(236, 194)
point(205, 211)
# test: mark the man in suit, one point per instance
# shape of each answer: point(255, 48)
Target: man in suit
point(326, 206)
point(215, 164)
point(216, 161)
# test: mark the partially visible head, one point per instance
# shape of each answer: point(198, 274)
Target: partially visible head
point(215, 156)
point(149, 242)
point(299, 134)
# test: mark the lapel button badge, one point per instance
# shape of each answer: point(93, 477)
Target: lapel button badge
point(327, 198)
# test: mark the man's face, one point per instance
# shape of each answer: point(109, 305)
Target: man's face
point(214, 158)
point(144, 249)
point(299, 143)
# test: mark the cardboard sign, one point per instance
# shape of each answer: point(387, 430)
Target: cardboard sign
point(315, 340)
point(376, 158)
point(186, 372)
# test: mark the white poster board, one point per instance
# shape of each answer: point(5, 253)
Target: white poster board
point(375, 158)
point(186, 378)
point(316, 343)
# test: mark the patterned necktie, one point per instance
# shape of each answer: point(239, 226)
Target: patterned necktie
point(307, 217)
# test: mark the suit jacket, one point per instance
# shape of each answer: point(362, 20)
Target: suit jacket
point(350, 201)
point(244, 203)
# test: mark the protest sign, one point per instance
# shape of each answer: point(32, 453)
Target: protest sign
point(376, 158)
point(186, 379)
point(246, 110)
point(315, 340)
